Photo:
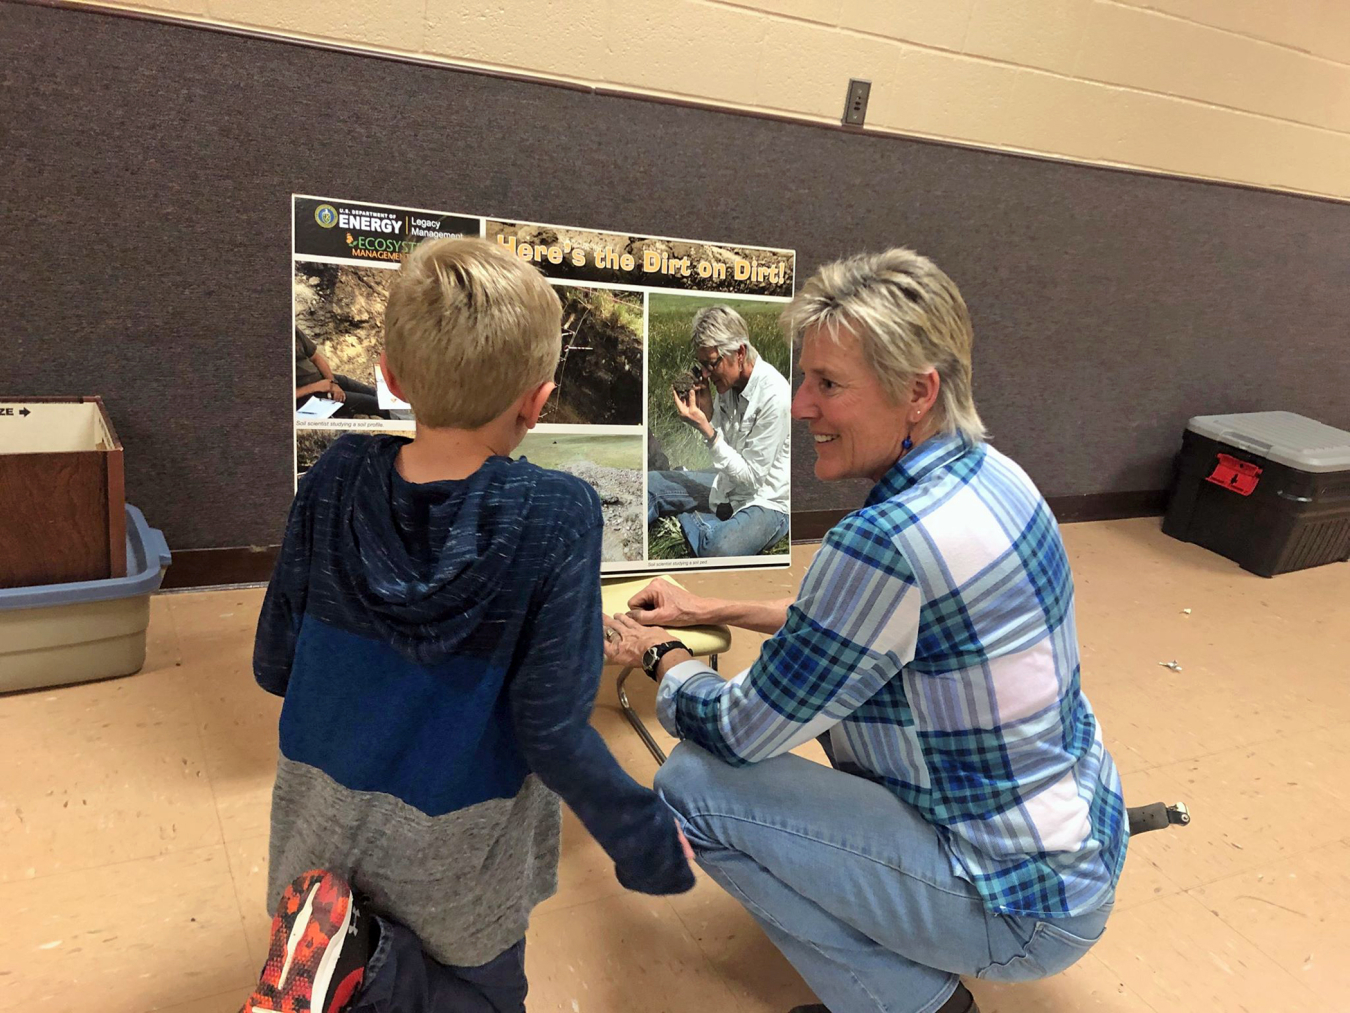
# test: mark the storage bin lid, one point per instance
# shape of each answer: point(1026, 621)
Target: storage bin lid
point(147, 557)
point(1282, 437)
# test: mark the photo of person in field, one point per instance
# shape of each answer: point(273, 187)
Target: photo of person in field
point(722, 488)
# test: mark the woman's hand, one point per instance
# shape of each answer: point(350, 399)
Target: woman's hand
point(703, 398)
point(662, 603)
point(689, 411)
point(626, 640)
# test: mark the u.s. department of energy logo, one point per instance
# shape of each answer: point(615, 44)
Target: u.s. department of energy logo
point(326, 215)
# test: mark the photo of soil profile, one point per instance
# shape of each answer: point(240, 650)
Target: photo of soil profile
point(599, 376)
point(341, 309)
point(673, 444)
point(612, 465)
point(584, 255)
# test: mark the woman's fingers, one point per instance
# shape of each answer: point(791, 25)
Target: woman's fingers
point(619, 645)
point(649, 597)
point(634, 630)
point(658, 616)
point(653, 606)
point(613, 630)
point(626, 624)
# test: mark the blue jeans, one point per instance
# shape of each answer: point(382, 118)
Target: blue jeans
point(684, 496)
point(401, 978)
point(853, 886)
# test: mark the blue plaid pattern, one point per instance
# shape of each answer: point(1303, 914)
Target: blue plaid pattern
point(933, 643)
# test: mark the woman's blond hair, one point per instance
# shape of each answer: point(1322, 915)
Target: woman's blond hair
point(722, 329)
point(909, 318)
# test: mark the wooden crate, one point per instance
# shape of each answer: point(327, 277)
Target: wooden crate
point(62, 493)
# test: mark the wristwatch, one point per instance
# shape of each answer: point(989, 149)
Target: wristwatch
point(652, 656)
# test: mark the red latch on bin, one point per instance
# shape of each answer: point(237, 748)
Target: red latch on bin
point(1236, 476)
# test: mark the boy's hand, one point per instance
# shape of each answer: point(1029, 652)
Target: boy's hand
point(661, 603)
point(684, 844)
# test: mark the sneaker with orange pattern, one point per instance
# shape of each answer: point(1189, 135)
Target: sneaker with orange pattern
point(320, 944)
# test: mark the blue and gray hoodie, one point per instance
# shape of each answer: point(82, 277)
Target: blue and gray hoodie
point(439, 648)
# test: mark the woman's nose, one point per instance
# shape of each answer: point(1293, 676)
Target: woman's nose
point(802, 405)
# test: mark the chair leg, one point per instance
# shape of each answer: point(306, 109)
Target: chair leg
point(636, 721)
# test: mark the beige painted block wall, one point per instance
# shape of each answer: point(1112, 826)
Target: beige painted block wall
point(1249, 91)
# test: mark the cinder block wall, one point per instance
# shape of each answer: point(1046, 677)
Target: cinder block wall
point(1249, 91)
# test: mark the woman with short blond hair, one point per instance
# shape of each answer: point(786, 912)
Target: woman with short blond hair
point(972, 823)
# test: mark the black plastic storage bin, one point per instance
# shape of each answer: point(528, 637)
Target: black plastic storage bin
point(1268, 490)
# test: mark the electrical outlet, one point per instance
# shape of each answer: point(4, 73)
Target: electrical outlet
point(855, 105)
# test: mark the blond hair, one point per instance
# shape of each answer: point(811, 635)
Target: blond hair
point(909, 318)
point(468, 329)
point(723, 329)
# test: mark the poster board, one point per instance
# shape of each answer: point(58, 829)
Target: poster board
point(629, 302)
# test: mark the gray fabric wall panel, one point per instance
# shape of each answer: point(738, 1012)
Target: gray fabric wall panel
point(147, 176)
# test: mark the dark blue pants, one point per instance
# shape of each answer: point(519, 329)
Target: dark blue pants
point(400, 978)
point(362, 399)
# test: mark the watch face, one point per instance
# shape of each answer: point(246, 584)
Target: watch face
point(655, 653)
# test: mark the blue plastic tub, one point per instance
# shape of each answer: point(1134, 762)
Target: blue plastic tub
point(55, 634)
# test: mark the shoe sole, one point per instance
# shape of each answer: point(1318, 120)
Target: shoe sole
point(307, 935)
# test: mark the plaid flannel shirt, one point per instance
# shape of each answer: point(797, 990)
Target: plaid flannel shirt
point(933, 649)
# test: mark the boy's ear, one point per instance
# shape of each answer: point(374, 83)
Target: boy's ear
point(390, 380)
point(532, 404)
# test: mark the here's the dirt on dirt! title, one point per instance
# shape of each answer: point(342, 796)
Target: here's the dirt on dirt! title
point(628, 303)
point(376, 233)
point(617, 258)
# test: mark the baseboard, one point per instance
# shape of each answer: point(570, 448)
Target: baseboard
point(244, 564)
point(811, 525)
point(253, 564)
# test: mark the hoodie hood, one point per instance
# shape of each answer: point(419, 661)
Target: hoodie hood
point(429, 558)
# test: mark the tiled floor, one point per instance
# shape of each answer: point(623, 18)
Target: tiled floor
point(133, 816)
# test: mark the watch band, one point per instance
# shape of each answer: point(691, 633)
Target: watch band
point(652, 656)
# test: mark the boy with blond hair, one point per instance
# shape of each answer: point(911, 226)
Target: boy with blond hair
point(434, 626)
